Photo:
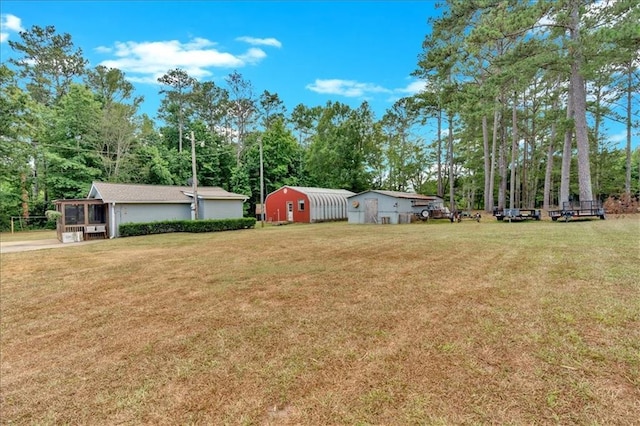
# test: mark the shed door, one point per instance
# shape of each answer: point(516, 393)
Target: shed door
point(370, 210)
point(289, 211)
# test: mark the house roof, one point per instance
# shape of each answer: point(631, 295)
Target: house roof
point(407, 195)
point(133, 193)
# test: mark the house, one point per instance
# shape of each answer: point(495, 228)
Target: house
point(377, 206)
point(306, 205)
point(110, 204)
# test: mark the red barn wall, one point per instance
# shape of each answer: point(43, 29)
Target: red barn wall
point(276, 206)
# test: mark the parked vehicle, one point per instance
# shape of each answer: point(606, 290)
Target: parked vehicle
point(516, 214)
point(581, 209)
point(434, 211)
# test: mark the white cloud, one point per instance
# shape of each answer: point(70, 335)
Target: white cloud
point(144, 62)
point(348, 88)
point(260, 41)
point(619, 137)
point(412, 88)
point(8, 24)
point(103, 49)
point(353, 89)
point(253, 55)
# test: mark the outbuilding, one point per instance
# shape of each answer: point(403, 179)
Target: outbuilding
point(306, 204)
point(110, 204)
point(393, 207)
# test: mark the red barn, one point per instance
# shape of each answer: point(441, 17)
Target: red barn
point(306, 205)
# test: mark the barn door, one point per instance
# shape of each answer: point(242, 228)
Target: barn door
point(370, 210)
point(289, 211)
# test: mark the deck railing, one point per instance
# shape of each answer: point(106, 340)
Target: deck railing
point(93, 231)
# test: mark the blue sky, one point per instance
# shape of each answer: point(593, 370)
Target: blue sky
point(306, 52)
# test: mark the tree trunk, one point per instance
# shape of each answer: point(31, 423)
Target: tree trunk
point(450, 150)
point(502, 164)
point(577, 87)
point(439, 155)
point(596, 135)
point(546, 197)
point(25, 195)
point(524, 199)
point(627, 180)
point(487, 164)
point(565, 173)
point(514, 153)
point(180, 126)
point(494, 143)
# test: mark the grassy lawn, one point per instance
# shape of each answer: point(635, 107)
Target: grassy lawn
point(6, 237)
point(430, 323)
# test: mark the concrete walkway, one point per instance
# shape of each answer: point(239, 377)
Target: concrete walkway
point(17, 246)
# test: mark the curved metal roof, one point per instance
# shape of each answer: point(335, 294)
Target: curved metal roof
point(398, 194)
point(325, 203)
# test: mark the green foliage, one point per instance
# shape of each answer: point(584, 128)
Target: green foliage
point(53, 215)
point(215, 157)
point(405, 154)
point(481, 60)
point(175, 106)
point(337, 156)
point(118, 124)
point(73, 145)
point(164, 227)
point(485, 58)
point(282, 158)
point(9, 204)
point(240, 185)
point(282, 163)
point(48, 64)
point(20, 123)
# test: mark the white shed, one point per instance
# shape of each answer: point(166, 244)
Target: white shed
point(393, 207)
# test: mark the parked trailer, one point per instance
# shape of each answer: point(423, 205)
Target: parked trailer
point(590, 208)
point(516, 214)
point(433, 211)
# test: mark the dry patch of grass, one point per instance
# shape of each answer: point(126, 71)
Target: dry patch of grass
point(432, 323)
point(27, 236)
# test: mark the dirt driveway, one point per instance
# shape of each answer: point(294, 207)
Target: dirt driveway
point(16, 246)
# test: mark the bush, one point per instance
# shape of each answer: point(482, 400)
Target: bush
point(167, 226)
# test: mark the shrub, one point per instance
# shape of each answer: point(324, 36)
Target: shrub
point(167, 226)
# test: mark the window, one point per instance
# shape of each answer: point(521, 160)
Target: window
point(300, 205)
point(96, 213)
point(74, 214)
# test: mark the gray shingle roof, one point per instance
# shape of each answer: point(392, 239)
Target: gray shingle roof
point(133, 193)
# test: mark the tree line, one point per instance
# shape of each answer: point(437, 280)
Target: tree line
point(518, 95)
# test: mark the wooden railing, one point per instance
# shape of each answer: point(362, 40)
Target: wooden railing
point(92, 231)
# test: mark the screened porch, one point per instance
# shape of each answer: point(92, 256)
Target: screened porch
point(82, 219)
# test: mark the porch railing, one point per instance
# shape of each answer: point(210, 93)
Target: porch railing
point(93, 231)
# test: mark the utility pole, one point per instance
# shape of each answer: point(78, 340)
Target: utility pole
point(195, 177)
point(261, 185)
